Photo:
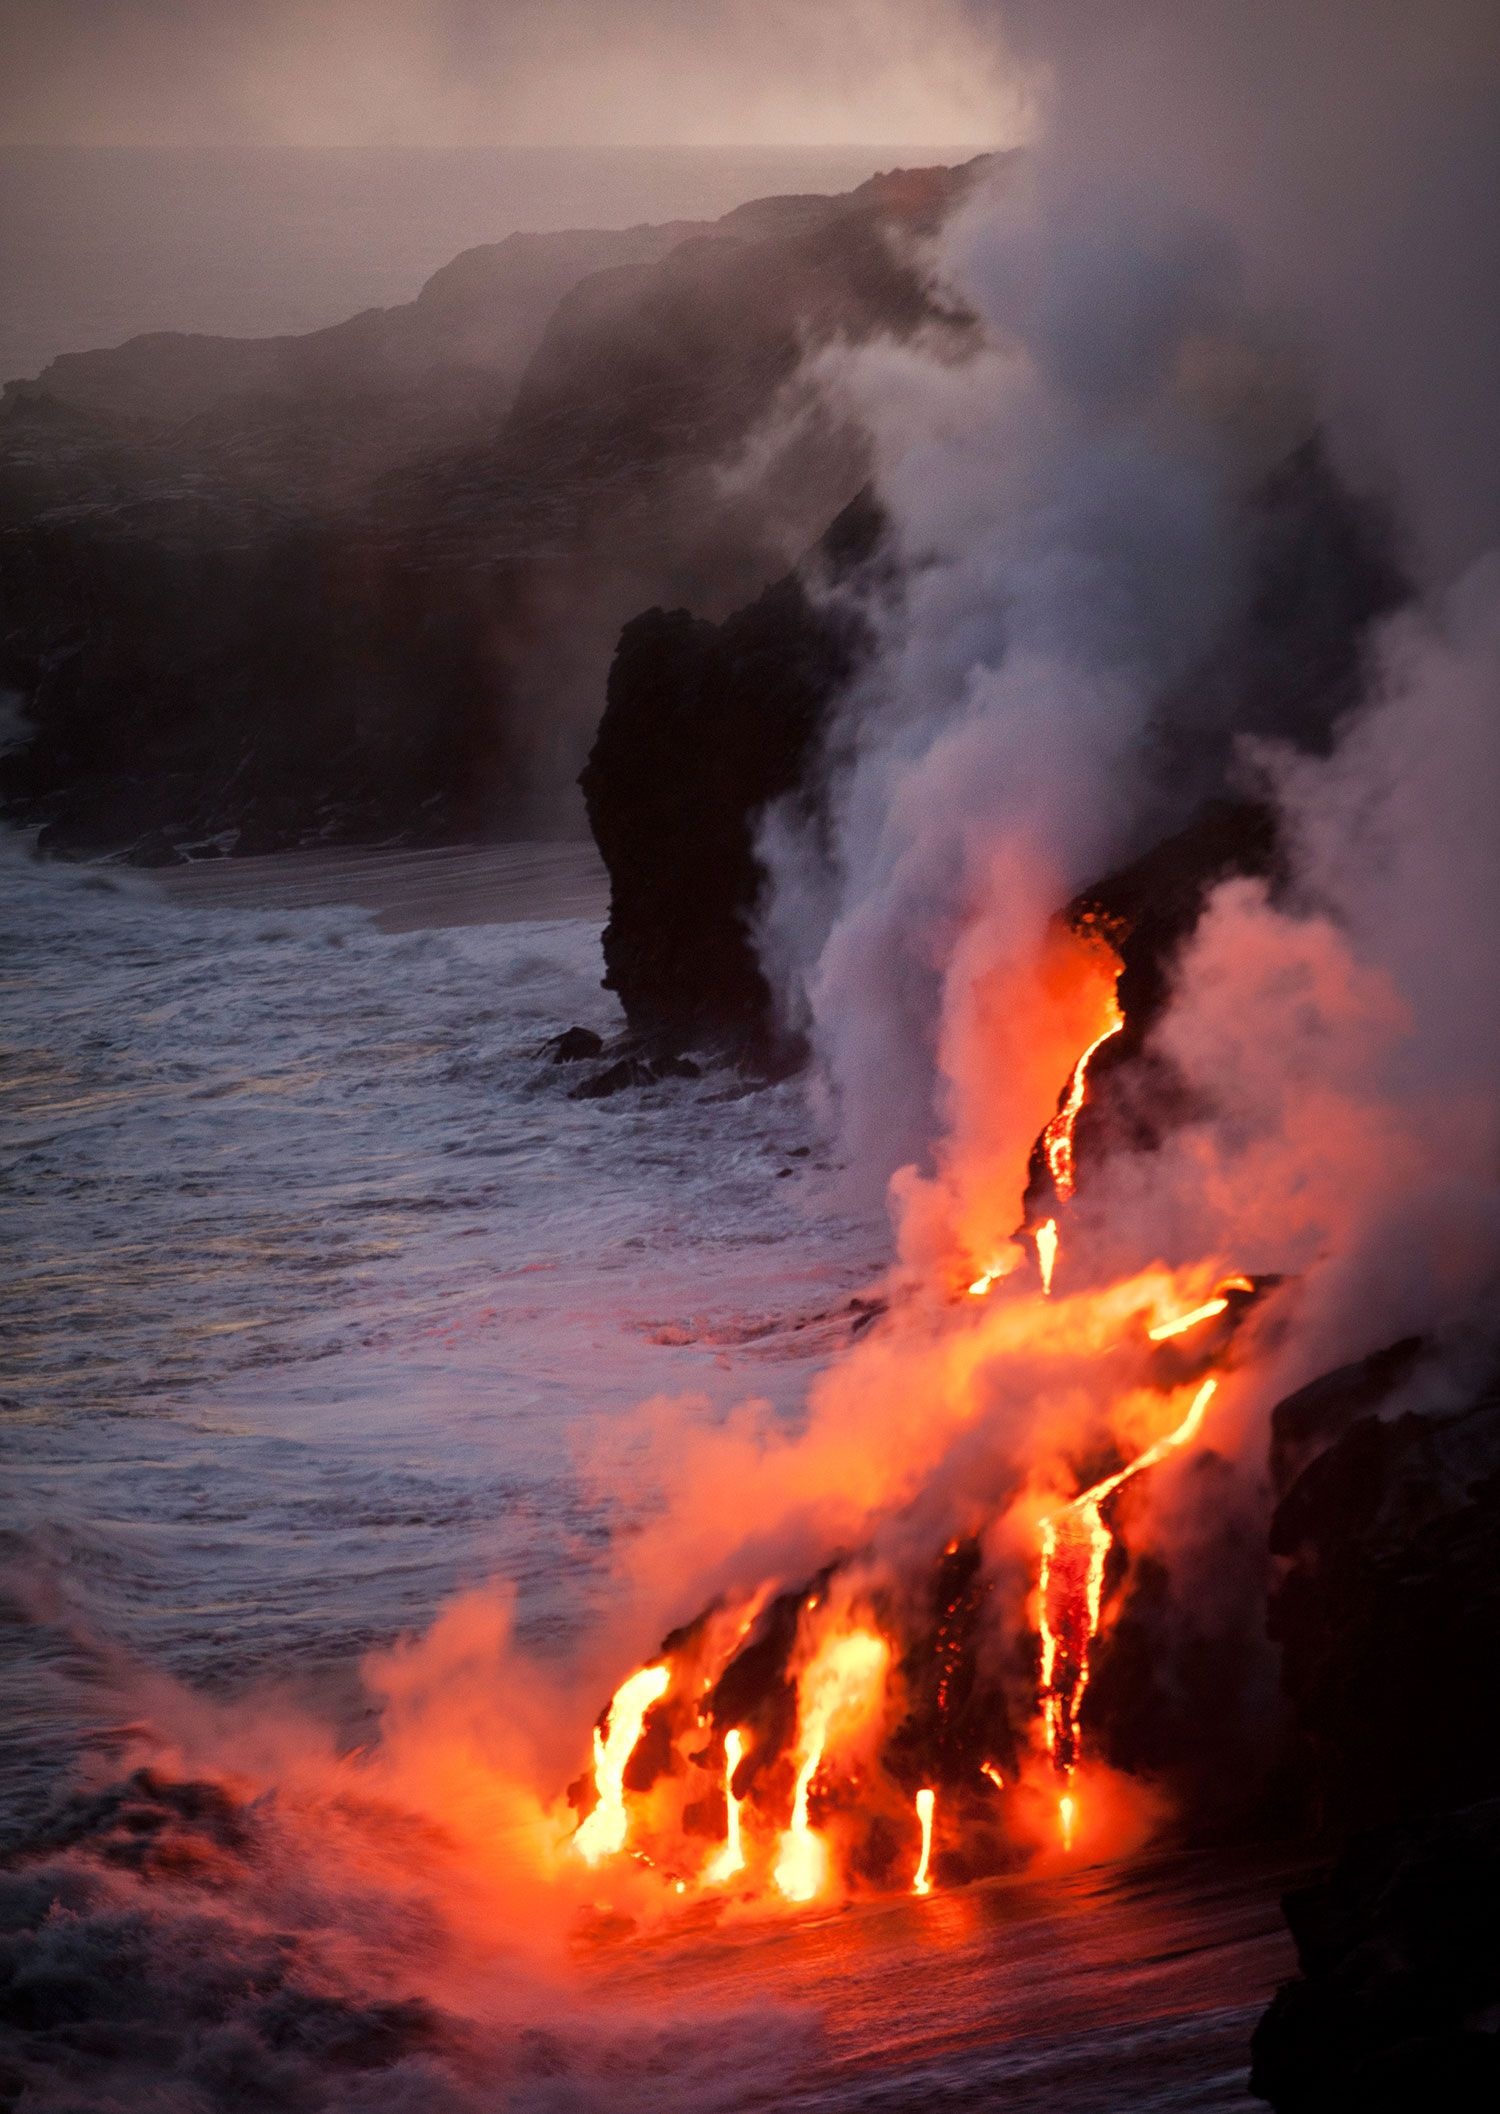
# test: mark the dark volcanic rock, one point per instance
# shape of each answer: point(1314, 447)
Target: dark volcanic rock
point(634, 1071)
point(1322, 564)
point(576, 1044)
point(1149, 908)
point(705, 725)
point(471, 331)
point(1307, 1423)
point(1387, 1610)
point(1147, 911)
point(1398, 2004)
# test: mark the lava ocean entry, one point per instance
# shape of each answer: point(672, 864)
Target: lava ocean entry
point(836, 1441)
point(904, 1725)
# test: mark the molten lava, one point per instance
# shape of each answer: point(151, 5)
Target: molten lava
point(1057, 1138)
point(731, 1858)
point(814, 1723)
point(1075, 1546)
point(1067, 1814)
point(926, 1802)
point(838, 1687)
point(1165, 1330)
point(605, 1829)
point(1046, 1252)
point(993, 1273)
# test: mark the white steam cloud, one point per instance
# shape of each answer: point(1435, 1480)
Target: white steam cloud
point(1062, 505)
point(1167, 302)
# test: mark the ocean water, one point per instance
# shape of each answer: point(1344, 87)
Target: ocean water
point(99, 243)
point(322, 1275)
point(326, 1304)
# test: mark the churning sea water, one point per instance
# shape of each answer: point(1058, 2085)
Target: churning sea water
point(319, 1276)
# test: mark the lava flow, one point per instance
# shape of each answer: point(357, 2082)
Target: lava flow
point(840, 1684)
point(731, 1858)
point(605, 1829)
point(1070, 1589)
point(1046, 1252)
point(926, 1804)
point(1057, 1138)
point(1055, 1162)
point(798, 1742)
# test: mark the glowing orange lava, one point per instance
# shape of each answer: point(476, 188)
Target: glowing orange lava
point(993, 1273)
point(1046, 1252)
point(1057, 1138)
point(837, 1686)
point(604, 1831)
point(831, 1756)
point(926, 1801)
point(731, 1858)
point(1179, 1327)
point(802, 1863)
point(1075, 1546)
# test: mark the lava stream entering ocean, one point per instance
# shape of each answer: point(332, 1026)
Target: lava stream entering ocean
point(1075, 1546)
point(800, 1740)
point(841, 1684)
point(926, 1805)
point(604, 1832)
point(1046, 1253)
point(731, 1858)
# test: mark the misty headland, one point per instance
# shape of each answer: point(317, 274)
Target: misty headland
point(753, 1090)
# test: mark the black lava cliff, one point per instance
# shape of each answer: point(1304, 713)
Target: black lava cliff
point(704, 726)
point(1387, 1612)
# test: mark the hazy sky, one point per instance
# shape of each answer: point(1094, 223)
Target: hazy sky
point(354, 72)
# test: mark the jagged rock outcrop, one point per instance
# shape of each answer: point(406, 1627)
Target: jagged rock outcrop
point(1387, 1607)
point(1397, 2010)
point(1387, 1611)
point(365, 584)
point(704, 726)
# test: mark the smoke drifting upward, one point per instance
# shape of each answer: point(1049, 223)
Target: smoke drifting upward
point(1351, 151)
point(1198, 270)
point(533, 72)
